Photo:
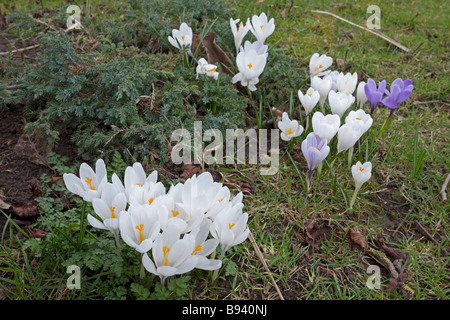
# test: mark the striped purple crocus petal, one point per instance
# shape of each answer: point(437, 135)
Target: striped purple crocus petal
point(315, 150)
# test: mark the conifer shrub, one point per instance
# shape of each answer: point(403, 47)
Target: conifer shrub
point(119, 86)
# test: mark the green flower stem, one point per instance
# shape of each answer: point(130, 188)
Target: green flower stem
point(350, 156)
point(116, 238)
point(352, 202)
point(82, 225)
point(319, 168)
point(216, 272)
point(142, 271)
point(307, 123)
point(308, 183)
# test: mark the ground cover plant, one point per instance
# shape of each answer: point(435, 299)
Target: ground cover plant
point(362, 170)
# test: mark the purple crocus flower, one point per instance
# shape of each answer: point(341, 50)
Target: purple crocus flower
point(315, 150)
point(400, 91)
point(374, 94)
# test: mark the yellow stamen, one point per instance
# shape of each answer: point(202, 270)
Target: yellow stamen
point(361, 169)
point(318, 149)
point(240, 25)
point(166, 251)
point(358, 118)
point(89, 181)
point(141, 235)
point(182, 37)
point(309, 94)
point(289, 131)
point(261, 26)
point(197, 249)
point(220, 200)
point(113, 215)
point(250, 65)
point(175, 213)
point(231, 225)
point(150, 201)
point(319, 67)
point(138, 184)
point(213, 69)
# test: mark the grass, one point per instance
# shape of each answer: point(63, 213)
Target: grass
point(410, 164)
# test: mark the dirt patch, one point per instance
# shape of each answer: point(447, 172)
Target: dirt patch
point(23, 160)
point(16, 169)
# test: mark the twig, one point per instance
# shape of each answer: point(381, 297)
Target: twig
point(19, 50)
point(444, 186)
point(258, 252)
point(378, 34)
point(427, 235)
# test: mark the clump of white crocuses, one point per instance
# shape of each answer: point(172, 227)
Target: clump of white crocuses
point(174, 230)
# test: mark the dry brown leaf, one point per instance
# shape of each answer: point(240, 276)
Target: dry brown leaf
point(33, 147)
point(314, 233)
point(37, 233)
point(340, 63)
point(392, 284)
point(4, 205)
point(217, 176)
point(244, 187)
point(356, 239)
point(215, 54)
point(391, 253)
point(56, 180)
point(189, 170)
point(26, 210)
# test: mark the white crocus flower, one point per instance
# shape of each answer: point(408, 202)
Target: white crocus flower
point(136, 176)
point(192, 199)
point(146, 194)
point(361, 97)
point(89, 185)
point(140, 225)
point(309, 100)
point(204, 247)
point(261, 27)
point(360, 119)
point(348, 134)
point(171, 254)
point(347, 82)
point(323, 86)
point(181, 38)
point(204, 67)
point(173, 214)
point(334, 75)
point(289, 128)
point(361, 174)
point(222, 200)
point(327, 126)
point(318, 65)
point(108, 208)
point(250, 65)
point(340, 102)
point(230, 227)
point(238, 32)
point(259, 47)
